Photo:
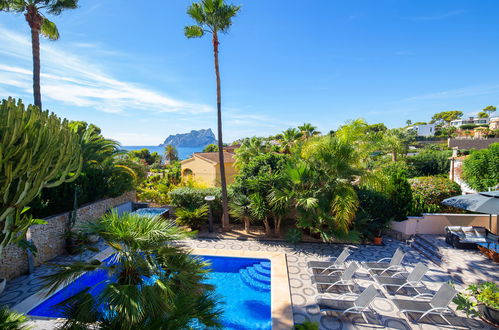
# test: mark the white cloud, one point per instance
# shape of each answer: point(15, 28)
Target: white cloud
point(75, 80)
point(459, 92)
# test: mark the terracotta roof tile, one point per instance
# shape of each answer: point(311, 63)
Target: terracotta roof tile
point(213, 156)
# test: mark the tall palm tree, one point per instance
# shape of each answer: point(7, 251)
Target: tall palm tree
point(150, 283)
point(214, 16)
point(39, 24)
point(308, 130)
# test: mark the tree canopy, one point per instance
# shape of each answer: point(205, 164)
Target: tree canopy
point(445, 117)
point(481, 168)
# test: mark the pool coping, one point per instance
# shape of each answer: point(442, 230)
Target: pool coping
point(281, 307)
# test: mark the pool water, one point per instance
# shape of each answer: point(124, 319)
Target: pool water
point(151, 211)
point(242, 284)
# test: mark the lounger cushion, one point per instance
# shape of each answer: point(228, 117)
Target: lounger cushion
point(412, 305)
point(323, 264)
point(390, 281)
point(333, 304)
point(376, 265)
point(325, 279)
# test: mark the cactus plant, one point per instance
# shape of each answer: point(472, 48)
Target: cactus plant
point(37, 150)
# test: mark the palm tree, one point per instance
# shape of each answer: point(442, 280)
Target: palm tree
point(240, 208)
point(171, 153)
point(39, 24)
point(250, 148)
point(320, 186)
point(289, 138)
point(150, 283)
point(308, 130)
point(214, 16)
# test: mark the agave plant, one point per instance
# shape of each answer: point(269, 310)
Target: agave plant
point(151, 283)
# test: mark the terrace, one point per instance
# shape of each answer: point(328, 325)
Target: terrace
point(303, 292)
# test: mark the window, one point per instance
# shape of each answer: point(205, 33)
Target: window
point(187, 172)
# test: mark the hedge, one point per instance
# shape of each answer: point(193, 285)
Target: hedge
point(428, 193)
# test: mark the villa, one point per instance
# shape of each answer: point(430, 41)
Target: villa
point(470, 121)
point(205, 168)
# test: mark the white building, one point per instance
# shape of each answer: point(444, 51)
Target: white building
point(424, 130)
point(470, 121)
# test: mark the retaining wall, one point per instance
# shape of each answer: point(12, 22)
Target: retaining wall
point(48, 238)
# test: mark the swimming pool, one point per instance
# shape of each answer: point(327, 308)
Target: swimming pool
point(152, 211)
point(243, 284)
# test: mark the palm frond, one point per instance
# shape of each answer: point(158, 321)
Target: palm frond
point(49, 29)
point(55, 7)
point(67, 273)
point(11, 320)
point(193, 31)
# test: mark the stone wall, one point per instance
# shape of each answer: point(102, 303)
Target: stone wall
point(49, 238)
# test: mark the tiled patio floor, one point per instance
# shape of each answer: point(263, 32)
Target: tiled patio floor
point(303, 293)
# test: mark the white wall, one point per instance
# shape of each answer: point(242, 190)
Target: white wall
point(435, 223)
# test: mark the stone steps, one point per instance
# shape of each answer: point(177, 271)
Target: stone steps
point(427, 248)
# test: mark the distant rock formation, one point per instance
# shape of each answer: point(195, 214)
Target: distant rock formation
point(199, 138)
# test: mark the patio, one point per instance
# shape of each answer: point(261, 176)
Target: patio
point(303, 293)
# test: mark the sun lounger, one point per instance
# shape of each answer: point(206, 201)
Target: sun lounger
point(439, 303)
point(413, 280)
point(325, 267)
point(337, 277)
point(382, 265)
point(361, 304)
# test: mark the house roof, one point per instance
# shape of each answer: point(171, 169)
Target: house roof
point(212, 157)
point(467, 144)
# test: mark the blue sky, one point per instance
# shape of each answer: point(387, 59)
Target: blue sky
point(128, 68)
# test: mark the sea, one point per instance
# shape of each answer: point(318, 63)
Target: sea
point(183, 152)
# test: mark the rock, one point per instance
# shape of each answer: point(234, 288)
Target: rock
point(199, 138)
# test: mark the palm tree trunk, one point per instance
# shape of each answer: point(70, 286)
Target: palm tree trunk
point(35, 21)
point(223, 181)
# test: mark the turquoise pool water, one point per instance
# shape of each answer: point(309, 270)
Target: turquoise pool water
point(151, 211)
point(243, 284)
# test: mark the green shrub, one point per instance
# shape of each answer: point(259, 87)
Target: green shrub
point(375, 213)
point(193, 198)
point(294, 235)
point(486, 293)
point(400, 195)
point(481, 168)
point(307, 325)
point(192, 218)
point(428, 193)
point(429, 162)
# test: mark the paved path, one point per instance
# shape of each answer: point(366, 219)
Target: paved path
point(303, 293)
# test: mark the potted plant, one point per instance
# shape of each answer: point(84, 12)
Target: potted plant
point(480, 300)
point(381, 228)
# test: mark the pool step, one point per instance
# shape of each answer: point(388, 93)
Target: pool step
point(262, 270)
point(257, 276)
point(265, 264)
